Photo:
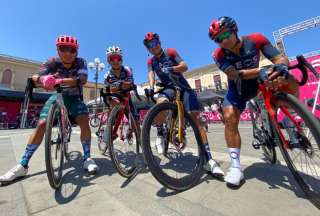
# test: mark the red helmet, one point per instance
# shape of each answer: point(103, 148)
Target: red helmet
point(149, 37)
point(221, 24)
point(65, 40)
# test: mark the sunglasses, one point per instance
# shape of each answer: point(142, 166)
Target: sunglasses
point(223, 36)
point(114, 58)
point(67, 49)
point(152, 44)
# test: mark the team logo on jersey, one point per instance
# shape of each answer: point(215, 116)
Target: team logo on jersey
point(247, 63)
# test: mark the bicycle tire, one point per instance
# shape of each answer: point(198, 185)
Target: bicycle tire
point(186, 182)
point(314, 126)
point(55, 182)
point(127, 173)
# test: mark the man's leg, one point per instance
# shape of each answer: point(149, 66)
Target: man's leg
point(77, 109)
point(233, 139)
point(34, 141)
point(85, 137)
point(191, 105)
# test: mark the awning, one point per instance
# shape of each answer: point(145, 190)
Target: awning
point(14, 95)
point(209, 96)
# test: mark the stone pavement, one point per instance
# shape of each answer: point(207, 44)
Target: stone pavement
point(268, 190)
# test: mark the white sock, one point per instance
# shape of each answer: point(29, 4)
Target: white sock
point(235, 157)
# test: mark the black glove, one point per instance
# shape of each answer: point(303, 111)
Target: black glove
point(263, 74)
point(282, 69)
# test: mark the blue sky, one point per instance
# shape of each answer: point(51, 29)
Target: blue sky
point(29, 28)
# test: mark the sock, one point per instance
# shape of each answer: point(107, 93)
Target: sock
point(235, 157)
point(207, 149)
point(30, 149)
point(86, 145)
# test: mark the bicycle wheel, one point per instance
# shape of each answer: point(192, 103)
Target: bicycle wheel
point(302, 133)
point(54, 150)
point(94, 121)
point(123, 141)
point(262, 133)
point(180, 166)
point(102, 140)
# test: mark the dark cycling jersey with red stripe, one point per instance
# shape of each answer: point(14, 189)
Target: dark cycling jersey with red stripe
point(55, 67)
point(113, 80)
point(249, 58)
point(169, 58)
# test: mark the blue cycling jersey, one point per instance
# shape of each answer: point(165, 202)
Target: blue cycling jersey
point(249, 58)
point(168, 58)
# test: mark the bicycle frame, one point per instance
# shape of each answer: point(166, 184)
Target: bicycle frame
point(180, 115)
point(66, 124)
point(269, 99)
point(124, 100)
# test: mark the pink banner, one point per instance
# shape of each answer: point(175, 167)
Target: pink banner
point(308, 91)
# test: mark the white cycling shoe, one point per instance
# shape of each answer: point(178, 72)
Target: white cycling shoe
point(16, 172)
point(213, 167)
point(90, 166)
point(160, 144)
point(234, 176)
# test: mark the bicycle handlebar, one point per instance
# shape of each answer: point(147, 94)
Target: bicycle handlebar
point(175, 86)
point(303, 65)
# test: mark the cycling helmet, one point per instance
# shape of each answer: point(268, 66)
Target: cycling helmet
point(114, 50)
point(221, 24)
point(65, 40)
point(149, 37)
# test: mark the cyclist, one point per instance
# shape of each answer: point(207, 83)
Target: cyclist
point(70, 70)
point(163, 62)
point(239, 58)
point(120, 77)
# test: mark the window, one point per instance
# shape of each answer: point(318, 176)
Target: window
point(197, 84)
point(6, 78)
point(92, 94)
point(217, 82)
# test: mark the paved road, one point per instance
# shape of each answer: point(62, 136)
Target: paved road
point(269, 189)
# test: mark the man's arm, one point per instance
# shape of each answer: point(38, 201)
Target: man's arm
point(180, 68)
point(152, 79)
point(74, 81)
point(235, 74)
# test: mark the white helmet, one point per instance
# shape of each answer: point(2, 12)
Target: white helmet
point(114, 50)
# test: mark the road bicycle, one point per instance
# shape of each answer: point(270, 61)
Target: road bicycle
point(123, 134)
point(181, 164)
point(57, 137)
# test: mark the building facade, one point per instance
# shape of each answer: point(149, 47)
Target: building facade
point(14, 72)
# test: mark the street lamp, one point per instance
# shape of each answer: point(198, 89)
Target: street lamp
point(98, 66)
